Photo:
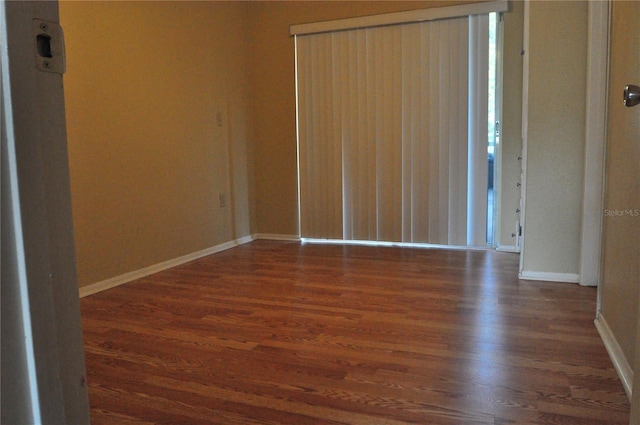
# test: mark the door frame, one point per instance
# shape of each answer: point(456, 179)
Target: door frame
point(595, 139)
point(44, 378)
point(525, 124)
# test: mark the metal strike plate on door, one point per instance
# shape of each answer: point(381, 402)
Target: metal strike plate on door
point(48, 42)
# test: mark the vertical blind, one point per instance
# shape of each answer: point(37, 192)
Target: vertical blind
point(392, 132)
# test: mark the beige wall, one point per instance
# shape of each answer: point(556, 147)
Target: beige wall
point(144, 86)
point(555, 137)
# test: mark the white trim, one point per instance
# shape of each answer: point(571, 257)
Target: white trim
point(595, 136)
point(396, 18)
point(521, 227)
point(17, 250)
point(37, 117)
point(549, 277)
point(276, 237)
point(147, 271)
point(616, 354)
point(507, 248)
point(299, 185)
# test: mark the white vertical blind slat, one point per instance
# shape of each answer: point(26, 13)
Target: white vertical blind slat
point(460, 63)
point(478, 131)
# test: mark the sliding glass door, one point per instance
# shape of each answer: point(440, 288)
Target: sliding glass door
point(393, 133)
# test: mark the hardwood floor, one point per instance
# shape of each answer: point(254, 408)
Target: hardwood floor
point(284, 333)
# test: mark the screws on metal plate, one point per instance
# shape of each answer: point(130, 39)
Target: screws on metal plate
point(46, 64)
point(44, 26)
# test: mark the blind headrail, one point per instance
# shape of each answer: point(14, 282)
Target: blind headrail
point(404, 17)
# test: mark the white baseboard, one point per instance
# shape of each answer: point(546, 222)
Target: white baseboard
point(550, 277)
point(146, 271)
point(507, 248)
point(616, 354)
point(276, 237)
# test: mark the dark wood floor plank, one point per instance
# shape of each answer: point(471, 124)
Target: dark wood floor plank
point(289, 333)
